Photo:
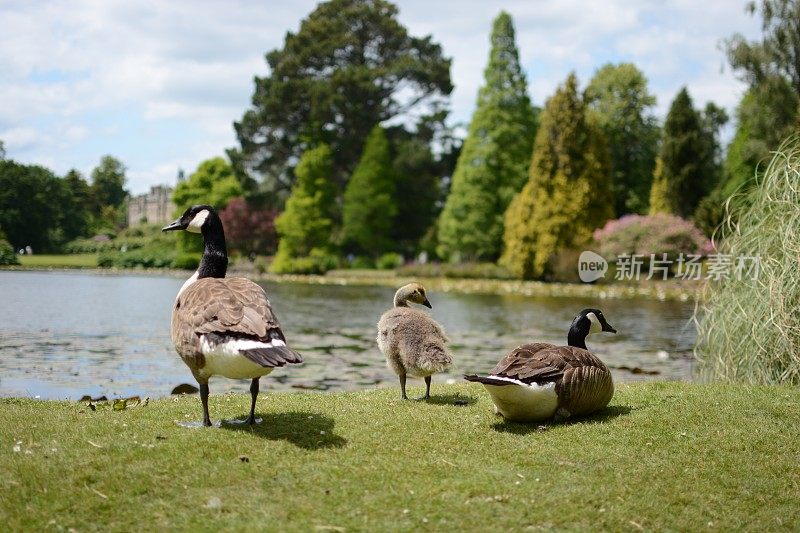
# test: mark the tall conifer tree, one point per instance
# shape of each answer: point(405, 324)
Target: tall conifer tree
point(568, 194)
point(494, 160)
point(622, 106)
point(685, 171)
point(307, 222)
point(369, 200)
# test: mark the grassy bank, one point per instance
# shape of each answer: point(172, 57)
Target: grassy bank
point(662, 456)
point(58, 261)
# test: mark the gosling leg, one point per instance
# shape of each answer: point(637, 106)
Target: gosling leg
point(427, 388)
point(204, 401)
point(254, 394)
point(403, 395)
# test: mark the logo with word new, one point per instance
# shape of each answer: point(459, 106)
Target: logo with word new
point(591, 266)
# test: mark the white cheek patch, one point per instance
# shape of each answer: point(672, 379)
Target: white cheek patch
point(197, 222)
point(596, 326)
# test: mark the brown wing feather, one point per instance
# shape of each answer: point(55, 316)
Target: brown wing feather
point(583, 382)
point(525, 364)
point(585, 389)
point(213, 305)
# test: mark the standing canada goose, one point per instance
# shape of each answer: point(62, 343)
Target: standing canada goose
point(538, 381)
point(224, 326)
point(414, 344)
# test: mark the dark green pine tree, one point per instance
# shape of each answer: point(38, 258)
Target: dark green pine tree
point(685, 170)
point(494, 159)
point(418, 191)
point(108, 182)
point(621, 105)
point(369, 200)
point(569, 191)
point(766, 115)
point(79, 204)
point(307, 223)
point(351, 65)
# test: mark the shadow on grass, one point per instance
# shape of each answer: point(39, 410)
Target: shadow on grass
point(310, 431)
point(519, 428)
point(451, 399)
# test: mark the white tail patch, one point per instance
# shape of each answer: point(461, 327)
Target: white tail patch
point(226, 359)
point(523, 402)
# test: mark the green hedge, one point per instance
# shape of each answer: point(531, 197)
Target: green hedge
point(7, 255)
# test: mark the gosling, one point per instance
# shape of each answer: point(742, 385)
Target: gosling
point(414, 344)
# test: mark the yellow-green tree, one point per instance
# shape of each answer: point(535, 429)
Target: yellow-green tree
point(213, 183)
point(305, 227)
point(568, 193)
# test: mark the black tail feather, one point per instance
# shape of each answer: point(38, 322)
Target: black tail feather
point(487, 380)
point(273, 357)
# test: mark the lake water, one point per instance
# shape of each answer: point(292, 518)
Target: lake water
point(66, 334)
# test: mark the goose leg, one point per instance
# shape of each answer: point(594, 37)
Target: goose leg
point(427, 388)
point(403, 387)
point(204, 401)
point(254, 394)
point(561, 415)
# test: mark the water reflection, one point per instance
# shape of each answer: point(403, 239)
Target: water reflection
point(68, 334)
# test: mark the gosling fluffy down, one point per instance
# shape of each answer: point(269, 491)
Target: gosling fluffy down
point(414, 344)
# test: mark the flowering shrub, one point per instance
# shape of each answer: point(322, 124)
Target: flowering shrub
point(655, 234)
point(247, 229)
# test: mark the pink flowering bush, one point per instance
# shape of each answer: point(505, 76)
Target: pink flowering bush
point(653, 234)
point(247, 229)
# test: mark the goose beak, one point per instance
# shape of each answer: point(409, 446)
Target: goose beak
point(427, 304)
point(607, 327)
point(174, 226)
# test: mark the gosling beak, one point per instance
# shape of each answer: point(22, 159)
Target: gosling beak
point(607, 327)
point(427, 304)
point(174, 226)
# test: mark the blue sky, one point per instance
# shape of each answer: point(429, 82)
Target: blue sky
point(158, 84)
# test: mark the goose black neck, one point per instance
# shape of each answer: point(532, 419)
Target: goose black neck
point(214, 263)
point(576, 337)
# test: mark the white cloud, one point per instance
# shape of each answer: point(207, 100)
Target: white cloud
point(159, 84)
point(20, 137)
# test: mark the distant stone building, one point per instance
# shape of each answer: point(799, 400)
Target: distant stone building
point(154, 207)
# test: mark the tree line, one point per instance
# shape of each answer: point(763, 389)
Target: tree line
point(45, 211)
point(526, 185)
point(345, 155)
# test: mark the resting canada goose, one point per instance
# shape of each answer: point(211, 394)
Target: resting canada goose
point(414, 344)
point(224, 326)
point(539, 381)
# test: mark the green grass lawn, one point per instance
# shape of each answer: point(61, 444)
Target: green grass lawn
point(58, 261)
point(675, 456)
